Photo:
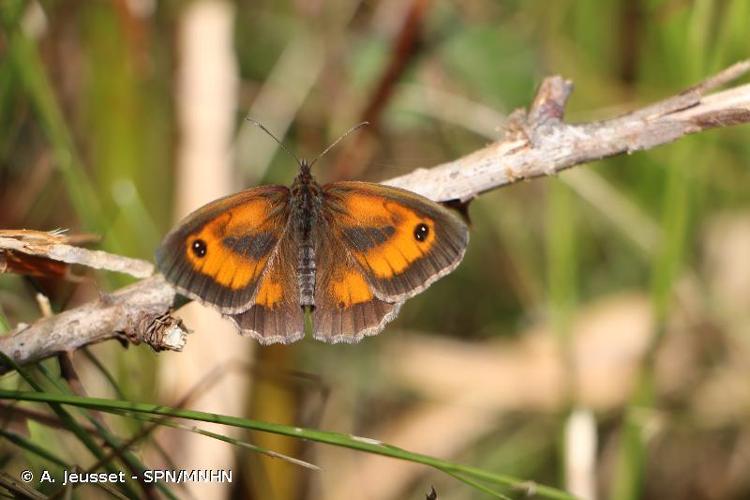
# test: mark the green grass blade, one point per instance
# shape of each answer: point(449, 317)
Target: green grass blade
point(104, 372)
point(119, 450)
point(221, 437)
point(326, 437)
point(18, 489)
point(70, 423)
point(34, 448)
point(477, 485)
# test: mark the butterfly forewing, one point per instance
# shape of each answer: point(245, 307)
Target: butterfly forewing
point(400, 241)
point(219, 253)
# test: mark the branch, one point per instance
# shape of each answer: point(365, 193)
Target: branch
point(534, 144)
point(138, 313)
point(27, 248)
point(539, 143)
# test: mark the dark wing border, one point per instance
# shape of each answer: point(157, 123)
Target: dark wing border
point(421, 273)
point(180, 274)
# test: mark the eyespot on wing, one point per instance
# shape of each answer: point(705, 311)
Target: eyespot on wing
point(402, 241)
point(217, 254)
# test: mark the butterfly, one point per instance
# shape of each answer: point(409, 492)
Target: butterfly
point(348, 252)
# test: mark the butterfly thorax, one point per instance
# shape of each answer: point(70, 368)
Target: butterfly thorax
point(306, 199)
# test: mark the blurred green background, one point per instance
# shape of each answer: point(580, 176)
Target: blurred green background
point(597, 335)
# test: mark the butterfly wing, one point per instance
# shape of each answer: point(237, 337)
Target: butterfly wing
point(375, 247)
point(219, 254)
point(276, 315)
point(402, 242)
point(346, 308)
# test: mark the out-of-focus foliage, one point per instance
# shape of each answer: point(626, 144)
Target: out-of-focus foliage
point(620, 288)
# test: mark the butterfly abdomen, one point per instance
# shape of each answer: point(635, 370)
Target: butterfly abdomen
point(306, 274)
point(307, 201)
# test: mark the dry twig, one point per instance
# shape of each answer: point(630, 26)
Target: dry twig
point(534, 144)
point(58, 246)
point(137, 313)
point(539, 143)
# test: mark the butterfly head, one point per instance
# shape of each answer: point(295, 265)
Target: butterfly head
point(304, 177)
point(305, 167)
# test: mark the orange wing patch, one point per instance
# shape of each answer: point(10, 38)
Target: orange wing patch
point(226, 267)
point(349, 288)
point(401, 246)
point(208, 253)
point(270, 293)
point(271, 290)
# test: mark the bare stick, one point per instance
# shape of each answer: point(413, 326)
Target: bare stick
point(136, 313)
point(57, 246)
point(534, 144)
point(539, 143)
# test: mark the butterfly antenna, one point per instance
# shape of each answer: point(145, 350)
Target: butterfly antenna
point(264, 129)
point(341, 138)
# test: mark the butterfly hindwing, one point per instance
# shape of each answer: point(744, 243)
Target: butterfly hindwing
point(346, 308)
point(276, 315)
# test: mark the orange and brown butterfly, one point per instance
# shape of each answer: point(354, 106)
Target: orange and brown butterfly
point(348, 252)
